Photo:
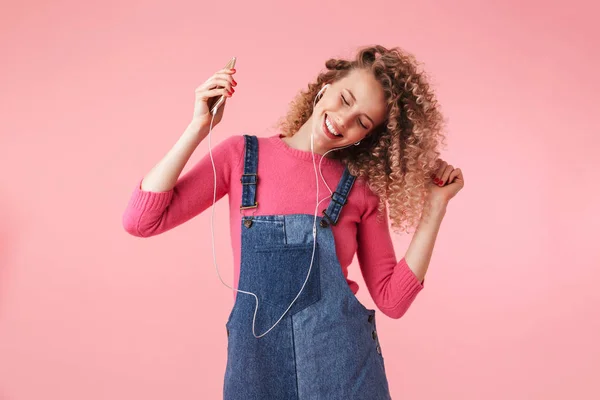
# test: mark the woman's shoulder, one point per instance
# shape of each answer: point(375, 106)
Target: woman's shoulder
point(238, 141)
point(267, 139)
point(368, 200)
point(233, 145)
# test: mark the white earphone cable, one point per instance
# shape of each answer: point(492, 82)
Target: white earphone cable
point(314, 230)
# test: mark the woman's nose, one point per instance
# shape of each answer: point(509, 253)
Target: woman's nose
point(342, 121)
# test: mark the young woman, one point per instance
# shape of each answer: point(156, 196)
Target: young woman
point(366, 135)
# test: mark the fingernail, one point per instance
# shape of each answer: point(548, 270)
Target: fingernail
point(436, 180)
point(234, 82)
point(232, 90)
point(233, 70)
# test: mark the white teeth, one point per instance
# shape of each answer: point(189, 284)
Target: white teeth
point(331, 128)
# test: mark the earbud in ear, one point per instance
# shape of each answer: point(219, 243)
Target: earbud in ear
point(320, 93)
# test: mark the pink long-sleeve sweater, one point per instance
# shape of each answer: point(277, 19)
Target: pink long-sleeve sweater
point(287, 186)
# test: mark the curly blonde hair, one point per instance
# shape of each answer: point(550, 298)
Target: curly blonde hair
point(398, 157)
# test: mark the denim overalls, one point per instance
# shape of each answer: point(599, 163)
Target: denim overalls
point(326, 346)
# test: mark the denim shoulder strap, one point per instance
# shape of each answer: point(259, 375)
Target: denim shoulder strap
point(250, 176)
point(339, 197)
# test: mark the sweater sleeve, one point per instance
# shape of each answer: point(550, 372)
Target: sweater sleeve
point(151, 213)
point(391, 283)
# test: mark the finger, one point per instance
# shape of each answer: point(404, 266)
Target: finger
point(455, 175)
point(215, 82)
point(226, 74)
point(227, 77)
point(441, 165)
point(211, 80)
point(215, 92)
point(229, 71)
point(446, 173)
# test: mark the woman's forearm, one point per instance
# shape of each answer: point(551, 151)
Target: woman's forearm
point(420, 249)
point(163, 176)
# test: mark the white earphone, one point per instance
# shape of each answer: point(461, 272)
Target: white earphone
point(320, 93)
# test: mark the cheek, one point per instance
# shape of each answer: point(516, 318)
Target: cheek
point(357, 134)
point(363, 135)
point(324, 106)
point(329, 103)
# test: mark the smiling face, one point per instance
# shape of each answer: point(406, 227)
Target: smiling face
point(349, 110)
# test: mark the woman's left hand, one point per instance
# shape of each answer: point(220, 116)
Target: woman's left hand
point(445, 182)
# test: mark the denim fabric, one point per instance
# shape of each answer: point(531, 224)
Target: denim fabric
point(326, 346)
point(249, 178)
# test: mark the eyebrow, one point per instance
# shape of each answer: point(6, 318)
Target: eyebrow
point(354, 98)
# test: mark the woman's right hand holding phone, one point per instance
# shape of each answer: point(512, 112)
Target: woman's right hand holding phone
point(208, 93)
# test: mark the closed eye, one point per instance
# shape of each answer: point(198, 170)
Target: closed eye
point(346, 103)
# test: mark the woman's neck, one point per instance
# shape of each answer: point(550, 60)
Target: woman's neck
point(301, 139)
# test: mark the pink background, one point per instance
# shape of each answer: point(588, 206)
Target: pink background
point(93, 95)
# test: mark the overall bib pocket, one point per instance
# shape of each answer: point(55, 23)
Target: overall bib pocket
point(275, 276)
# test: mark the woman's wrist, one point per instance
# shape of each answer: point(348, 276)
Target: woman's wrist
point(197, 129)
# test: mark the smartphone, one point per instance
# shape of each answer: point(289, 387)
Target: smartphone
point(221, 100)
